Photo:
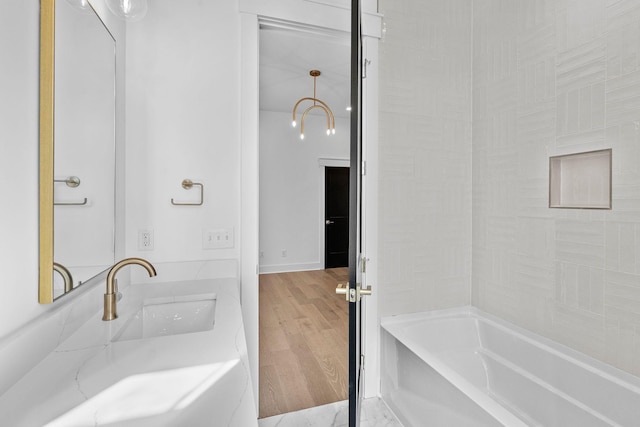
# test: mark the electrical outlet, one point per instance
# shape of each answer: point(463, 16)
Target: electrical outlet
point(284, 253)
point(217, 239)
point(145, 239)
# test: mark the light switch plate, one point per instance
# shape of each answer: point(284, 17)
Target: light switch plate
point(221, 238)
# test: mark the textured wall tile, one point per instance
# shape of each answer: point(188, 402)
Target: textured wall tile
point(536, 79)
point(577, 90)
point(612, 247)
point(425, 156)
point(533, 14)
point(579, 329)
point(471, 109)
point(579, 22)
point(536, 43)
point(581, 66)
point(623, 99)
point(585, 141)
point(627, 249)
point(625, 168)
point(622, 296)
point(621, 13)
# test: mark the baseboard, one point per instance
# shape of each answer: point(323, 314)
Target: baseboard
point(288, 268)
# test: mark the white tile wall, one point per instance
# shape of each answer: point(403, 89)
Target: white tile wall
point(570, 275)
point(425, 156)
point(474, 98)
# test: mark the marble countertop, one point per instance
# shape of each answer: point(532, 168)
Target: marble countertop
point(194, 379)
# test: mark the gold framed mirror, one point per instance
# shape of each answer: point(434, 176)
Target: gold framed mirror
point(47, 47)
point(77, 147)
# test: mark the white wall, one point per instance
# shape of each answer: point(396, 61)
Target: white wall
point(425, 156)
point(183, 122)
point(292, 189)
point(556, 77)
point(19, 45)
point(19, 41)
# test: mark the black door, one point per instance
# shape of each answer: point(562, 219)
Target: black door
point(353, 289)
point(336, 216)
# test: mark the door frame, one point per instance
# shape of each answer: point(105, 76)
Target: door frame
point(251, 13)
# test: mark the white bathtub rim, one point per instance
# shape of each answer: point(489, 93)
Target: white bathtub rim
point(397, 327)
point(477, 395)
point(620, 377)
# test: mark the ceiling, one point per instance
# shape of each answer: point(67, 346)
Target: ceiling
point(288, 53)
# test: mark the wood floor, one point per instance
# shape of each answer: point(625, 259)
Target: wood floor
point(304, 340)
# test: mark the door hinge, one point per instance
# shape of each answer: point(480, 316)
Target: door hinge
point(363, 263)
point(365, 63)
point(364, 168)
point(362, 361)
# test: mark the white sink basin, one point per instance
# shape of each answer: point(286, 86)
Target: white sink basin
point(170, 316)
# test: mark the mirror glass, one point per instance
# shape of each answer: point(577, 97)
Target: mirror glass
point(83, 188)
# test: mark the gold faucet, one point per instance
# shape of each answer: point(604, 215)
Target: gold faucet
point(66, 276)
point(110, 309)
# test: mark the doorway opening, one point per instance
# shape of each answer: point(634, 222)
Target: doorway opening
point(303, 324)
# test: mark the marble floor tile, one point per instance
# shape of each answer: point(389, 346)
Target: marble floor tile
point(375, 413)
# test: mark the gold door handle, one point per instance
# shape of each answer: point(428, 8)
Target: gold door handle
point(352, 294)
point(341, 289)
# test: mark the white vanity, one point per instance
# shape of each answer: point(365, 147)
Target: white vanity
point(175, 356)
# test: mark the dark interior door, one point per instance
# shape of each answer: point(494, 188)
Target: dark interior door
point(336, 216)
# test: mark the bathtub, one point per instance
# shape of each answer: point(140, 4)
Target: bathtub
point(463, 367)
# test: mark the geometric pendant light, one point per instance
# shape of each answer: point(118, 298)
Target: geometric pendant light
point(317, 103)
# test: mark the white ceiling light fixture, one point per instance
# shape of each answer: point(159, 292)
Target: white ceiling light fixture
point(129, 10)
point(317, 103)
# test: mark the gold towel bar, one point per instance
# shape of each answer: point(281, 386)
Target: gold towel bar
point(187, 184)
point(73, 182)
